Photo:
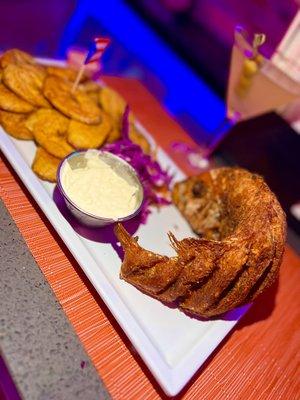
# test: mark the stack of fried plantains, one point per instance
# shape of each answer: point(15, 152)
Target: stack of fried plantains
point(37, 103)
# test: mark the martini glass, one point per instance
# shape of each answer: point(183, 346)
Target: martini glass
point(256, 85)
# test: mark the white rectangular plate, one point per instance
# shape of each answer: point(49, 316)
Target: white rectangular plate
point(172, 344)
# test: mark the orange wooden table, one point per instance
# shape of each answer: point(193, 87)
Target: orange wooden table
point(258, 360)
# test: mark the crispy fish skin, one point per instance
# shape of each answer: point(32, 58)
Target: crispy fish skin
point(76, 105)
point(16, 56)
point(26, 81)
point(238, 255)
point(14, 125)
point(68, 74)
point(83, 136)
point(13, 103)
point(45, 165)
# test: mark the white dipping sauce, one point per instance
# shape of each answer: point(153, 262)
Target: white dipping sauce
point(98, 189)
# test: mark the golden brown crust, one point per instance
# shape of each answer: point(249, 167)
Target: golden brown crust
point(45, 165)
point(139, 139)
point(15, 125)
point(9, 101)
point(83, 136)
point(16, 56)
point(76, 105)
point(49, 129)
point(239, 254)
point(26, 81)
point(113, 104)
point(68, 74)
point(49, 120)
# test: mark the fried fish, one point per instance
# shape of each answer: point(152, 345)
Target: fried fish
point(242, 232)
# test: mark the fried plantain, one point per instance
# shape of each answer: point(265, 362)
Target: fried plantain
point(15, 56)
point(68, 74)
point(49, 129)
point(11, 102)
point(134, 135)
point(45, 165)
point(76, 105)
point(139, 139)
point(83, 136)
point(93, 96)
point(91, 89)
point(89, 86)
point(114, 134)
point(55, 145)
point(26, 81)
point(14, 125)
point(48, 120)
point(113, 103)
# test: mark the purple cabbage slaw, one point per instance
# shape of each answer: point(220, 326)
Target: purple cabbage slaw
point(151, 175)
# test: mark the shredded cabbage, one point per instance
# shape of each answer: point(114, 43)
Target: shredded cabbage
point(151, 175)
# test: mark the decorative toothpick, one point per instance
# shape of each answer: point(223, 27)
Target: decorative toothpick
point(259, 39)
point(96, 49)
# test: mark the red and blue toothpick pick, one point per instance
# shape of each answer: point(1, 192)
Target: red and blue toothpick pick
point(96, 49)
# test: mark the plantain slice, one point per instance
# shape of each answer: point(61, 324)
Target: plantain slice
point(139, 139)
point(55, 145)
point(49, 129)
point(26, 81)
point(113, 103)
point(14, 125)
point(9, 101)
point(76, 105)
point(89, 86)
point(15, 56)
point(83, 136)
point(48, 120)
point(68, 74)
point(114, 134)
point(45, 165)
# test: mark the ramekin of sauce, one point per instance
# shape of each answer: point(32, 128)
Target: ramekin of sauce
point(99, 188)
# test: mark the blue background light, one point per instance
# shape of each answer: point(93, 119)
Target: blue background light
point(186, 93)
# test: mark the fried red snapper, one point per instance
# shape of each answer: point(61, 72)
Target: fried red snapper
point(241, 229)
